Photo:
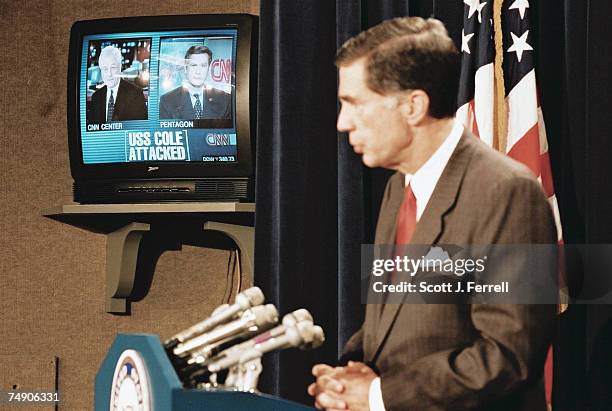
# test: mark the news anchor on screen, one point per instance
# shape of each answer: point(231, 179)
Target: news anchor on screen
point(118, 99)
point(193, 100)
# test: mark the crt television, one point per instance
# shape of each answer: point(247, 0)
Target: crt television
point(162, 108)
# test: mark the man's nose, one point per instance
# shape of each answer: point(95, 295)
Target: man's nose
point(345, 123)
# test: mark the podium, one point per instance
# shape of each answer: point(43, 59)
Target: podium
point(137, 373)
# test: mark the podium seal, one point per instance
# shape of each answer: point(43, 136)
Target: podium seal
point(130, 387)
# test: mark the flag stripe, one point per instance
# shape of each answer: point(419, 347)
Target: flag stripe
point(546, 174)
point(527, 150)
point(484, 102)
point(522, 110)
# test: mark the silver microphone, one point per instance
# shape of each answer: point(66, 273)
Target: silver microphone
point(302, 333)
point(253, 319)
point(318, 338)
point(250, 297)
point(297, 316)
point(203, 356)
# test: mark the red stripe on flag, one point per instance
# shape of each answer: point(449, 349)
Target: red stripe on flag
point(527, 150)
point(472, 112)
point(547, 180)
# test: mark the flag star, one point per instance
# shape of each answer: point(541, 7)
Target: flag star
point(521, 5)
point(475, 6)
point(464, 41)
point(519, 45)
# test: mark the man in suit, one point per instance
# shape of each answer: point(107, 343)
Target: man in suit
point(193, 100)
point(398, 84)
point(117, 100)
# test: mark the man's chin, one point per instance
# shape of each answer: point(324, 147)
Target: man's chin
point(369, 161)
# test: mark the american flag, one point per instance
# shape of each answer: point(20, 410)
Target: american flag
point(517, 126)
point(526, 139)
point(477, 84)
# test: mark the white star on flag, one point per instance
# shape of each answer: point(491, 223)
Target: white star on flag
point(464, 42)
point(519, 45)
point(521, 5)
point(475, 6)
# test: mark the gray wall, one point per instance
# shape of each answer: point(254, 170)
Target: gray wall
point(52, 275)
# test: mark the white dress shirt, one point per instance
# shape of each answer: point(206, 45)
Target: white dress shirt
point(193, 99)
point(423, 183)
point(193, 91)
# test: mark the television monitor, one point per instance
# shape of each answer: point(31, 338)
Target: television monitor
point(163, 108)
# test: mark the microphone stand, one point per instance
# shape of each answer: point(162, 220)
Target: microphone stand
point(244, 376)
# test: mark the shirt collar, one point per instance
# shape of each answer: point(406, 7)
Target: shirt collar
point(194, 90)
point(424, 181)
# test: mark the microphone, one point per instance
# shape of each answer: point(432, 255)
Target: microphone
point(250, 297)
point(202, 356)
point(318, 338)
point(259, 318)
point(297, 316)
point(301, 334)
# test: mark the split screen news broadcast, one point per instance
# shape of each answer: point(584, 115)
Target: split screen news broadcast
point(167, 97)
point(153, 99)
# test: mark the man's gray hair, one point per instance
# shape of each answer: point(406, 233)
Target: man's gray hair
point(112, 52)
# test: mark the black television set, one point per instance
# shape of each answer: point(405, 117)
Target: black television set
point(163, 108)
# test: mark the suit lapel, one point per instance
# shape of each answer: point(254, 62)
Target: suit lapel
point(206, 103)
point(385, 234)
point(430, 225)
point(186, 109)
point(100, 113)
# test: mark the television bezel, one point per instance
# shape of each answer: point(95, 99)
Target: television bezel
point(245, 97)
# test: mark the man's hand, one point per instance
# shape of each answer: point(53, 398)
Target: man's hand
point(356, 381)
point(342, 388)
point(327, 388)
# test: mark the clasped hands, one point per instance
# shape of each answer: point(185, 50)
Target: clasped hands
point(342, 388)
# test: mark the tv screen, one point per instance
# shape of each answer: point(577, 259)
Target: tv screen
point(156, 98)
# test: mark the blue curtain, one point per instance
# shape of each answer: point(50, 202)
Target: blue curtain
point(297, 190)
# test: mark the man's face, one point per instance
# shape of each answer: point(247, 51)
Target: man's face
point(111, 70)
point(197, 69)
point(373, 121)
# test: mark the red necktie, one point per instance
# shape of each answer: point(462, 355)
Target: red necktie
point(406, 220)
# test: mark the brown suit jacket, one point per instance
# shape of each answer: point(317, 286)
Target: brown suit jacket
point(464, 357)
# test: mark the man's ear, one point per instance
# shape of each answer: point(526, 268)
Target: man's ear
point(415, 106)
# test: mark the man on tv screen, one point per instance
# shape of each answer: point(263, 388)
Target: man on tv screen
point(118, 99)
point(193, 100)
